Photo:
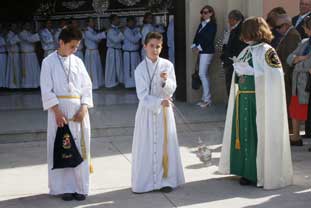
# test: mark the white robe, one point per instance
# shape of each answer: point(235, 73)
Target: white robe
point(53, 83)
point(47, 41)
point(171, 41)
point(92, 59)
point(29, 60)
point(147, 148)
point(274, 162)
point(131, 55)
point(13, 75)
point(3, 60)
point(79, 51)
point(114, 63)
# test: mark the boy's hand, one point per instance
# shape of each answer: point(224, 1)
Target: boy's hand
point(59, 116)
point(79, 116)
point(164, 75)
point(167, 102)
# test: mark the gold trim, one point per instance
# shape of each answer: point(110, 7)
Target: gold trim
point(165, 145)
point(69, 97)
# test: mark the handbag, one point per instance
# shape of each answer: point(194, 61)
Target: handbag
point(308, 85)
point(196, 81)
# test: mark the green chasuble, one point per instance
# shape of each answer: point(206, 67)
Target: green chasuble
point(243, 157)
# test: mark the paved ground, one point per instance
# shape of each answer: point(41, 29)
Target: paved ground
point(23, 169)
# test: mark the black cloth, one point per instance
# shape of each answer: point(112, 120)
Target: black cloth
point(206, 38)
point(66, 154)
point(299, 27)
point(232, 48)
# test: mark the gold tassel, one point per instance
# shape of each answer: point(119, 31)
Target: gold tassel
point(165, 153)
point(237, 144)
point(91, 167)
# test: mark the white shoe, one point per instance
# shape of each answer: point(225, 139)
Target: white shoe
point(205, 104)
point(200, 103)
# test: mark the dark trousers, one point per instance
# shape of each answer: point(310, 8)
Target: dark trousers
point(228, 76)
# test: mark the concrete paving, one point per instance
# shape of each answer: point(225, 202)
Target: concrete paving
point(23, 179)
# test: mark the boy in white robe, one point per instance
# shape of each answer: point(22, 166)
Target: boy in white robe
point(66, 91)
point(79, 52)
point(13, 74)
point(156, 162)
point(47, 39)
point(131, 55)
point(92, 59)
point(114, 63)
point(3, 59)
point(29, 60)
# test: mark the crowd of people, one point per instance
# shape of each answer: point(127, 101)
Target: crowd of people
point(20, 65)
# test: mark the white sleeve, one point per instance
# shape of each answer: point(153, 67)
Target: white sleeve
point(170, 84)
point(86, 92)
point(49, 99)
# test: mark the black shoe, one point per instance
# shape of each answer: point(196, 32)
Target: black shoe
point(245, 182)
point(79, 197)
point(296, 143)
point(67, 197)
point(166, 189)
point(305, 136)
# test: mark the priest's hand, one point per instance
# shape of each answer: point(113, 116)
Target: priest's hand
point(59, 116)
point(79, 116)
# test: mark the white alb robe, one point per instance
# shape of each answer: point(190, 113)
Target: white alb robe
point(54, 83)
point(13, 75)
point(147, 148)
point(92, 59)
point(274, 162)
point(47, 41)
point(114, 63)
point(3, 60)
point(29, 60)
point(131, 55)
point(79, 51)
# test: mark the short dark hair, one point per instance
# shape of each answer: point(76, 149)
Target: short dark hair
point(70, 33)
point(130, 18)
point(112, 17)
point(236, 15)
point(153, 35)
point(146, 15)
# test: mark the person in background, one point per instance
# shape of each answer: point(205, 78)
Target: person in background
point(114, 64)
point(47, 38)
point(234, 45)
point(131, 53)
point(171, 40)
point(204, 46)
point(271, 20)
point(3, 58)
point(304, 11)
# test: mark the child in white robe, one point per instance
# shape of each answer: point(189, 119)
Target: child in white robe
point(156, 162)
point(66, 91)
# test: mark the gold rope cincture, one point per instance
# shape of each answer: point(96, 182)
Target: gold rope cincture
point(83, 146)
point(237, 125)
point(165, 145)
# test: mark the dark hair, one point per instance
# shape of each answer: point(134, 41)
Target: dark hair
point(256, 29)
point(130, 18)
point(112, 17)
point(146, 15)
point(70, 33)
point(236, 15)
point(153, 35)
point(210, 9)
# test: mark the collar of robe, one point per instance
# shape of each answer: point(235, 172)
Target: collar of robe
point(151, 62)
